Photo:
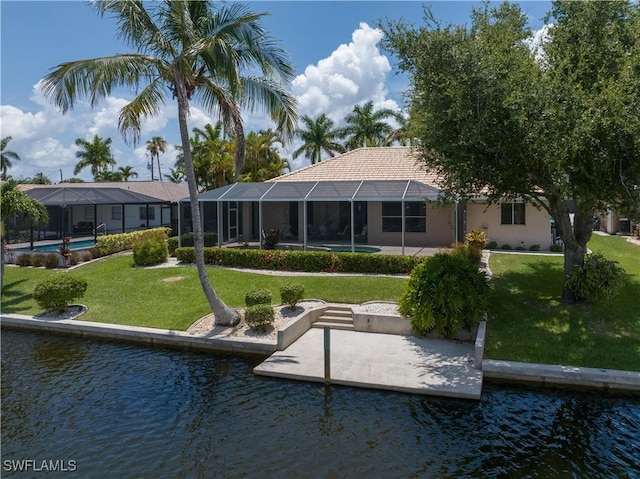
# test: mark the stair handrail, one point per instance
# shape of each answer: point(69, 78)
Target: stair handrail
point(101, 225)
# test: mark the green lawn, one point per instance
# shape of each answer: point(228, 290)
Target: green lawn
point(529, 323)
point(172, 297)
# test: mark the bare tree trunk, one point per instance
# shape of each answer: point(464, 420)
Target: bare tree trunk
point(159, 173)
point(224, 315)
point(575, 237)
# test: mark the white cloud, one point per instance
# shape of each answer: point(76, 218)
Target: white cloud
point(351, 75)
point(537, 41)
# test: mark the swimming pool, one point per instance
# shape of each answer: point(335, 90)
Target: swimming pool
point(347, 248)
point(75, 245)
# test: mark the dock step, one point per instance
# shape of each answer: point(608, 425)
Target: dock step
point(335, 318)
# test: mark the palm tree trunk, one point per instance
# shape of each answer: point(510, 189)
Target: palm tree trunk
point(224, 315)
point(159, 173)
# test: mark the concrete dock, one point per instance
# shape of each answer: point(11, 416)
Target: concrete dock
point(381, 361)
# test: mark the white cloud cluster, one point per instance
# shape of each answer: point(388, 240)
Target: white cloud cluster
point(537, 41)
point(352, 74)
point(45, 139)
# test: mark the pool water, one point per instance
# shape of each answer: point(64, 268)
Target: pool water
point(75, 245)
point(128, 411)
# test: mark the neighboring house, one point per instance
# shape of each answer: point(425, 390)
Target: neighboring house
point(89, 209)
point(379, 196)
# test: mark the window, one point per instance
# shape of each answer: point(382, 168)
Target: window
point(88, 213)
point(143, 213)
point(116, 213)
point(512, 213)
point(415, 217)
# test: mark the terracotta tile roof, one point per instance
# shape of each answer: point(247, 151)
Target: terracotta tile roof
point(377, 163)
point(163, 190)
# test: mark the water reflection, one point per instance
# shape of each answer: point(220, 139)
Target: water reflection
point(139, 412)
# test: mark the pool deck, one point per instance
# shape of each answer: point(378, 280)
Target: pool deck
point(380, 361)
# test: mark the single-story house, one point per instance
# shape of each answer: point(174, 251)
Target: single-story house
point(377, 196)
point(89, 209)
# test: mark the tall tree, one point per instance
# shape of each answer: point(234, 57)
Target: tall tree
point(319, 136)
point(12, 201)
point(95, 154)
point(6, 156)
point(551, 126)
point(127, 172)
point(155, 146)
point(175, 175)
point(221, 57)
point(263, 160)
point(368, 127)
point(40, 179)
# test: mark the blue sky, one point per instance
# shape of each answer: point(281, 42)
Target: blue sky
point(334, 46)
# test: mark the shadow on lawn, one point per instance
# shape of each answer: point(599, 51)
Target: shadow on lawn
point(528, 321)
point(13, 298)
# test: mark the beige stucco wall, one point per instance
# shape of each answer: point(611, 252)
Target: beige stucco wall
point(536, 229)
point(439, 228)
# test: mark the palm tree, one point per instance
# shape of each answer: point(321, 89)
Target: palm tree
point(95, 154)
point(155, 146)
point(175, 175)
point(192, 51)
point(320, 135)
point(366, 127)
point(127, 172)
point(263, 160)
point(40, 179)
point(6, 156)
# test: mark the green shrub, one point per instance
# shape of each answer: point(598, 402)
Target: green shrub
point(37, 260)
point(257, 296)
point(471, 253)
point(506, 246)
point(59, 290)
point(556, 248)
point(534, 247)
point(492, 245)
point(291, 294)
point(51, 261)
point(476, 239)
point(186, 240)
point(636, 231)
point(447, 293)
point(111, 244)
point(311, 261)
point(597, 280)
point(24, 260)
point(150, 251)
point(259, 317)
point(272, 238)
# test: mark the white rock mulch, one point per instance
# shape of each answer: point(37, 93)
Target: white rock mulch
point(283, 316)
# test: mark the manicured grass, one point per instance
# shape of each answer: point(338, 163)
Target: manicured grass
point(172, 297)
point(529, 323)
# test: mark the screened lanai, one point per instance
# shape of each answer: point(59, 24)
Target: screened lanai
point(78, 211)
point(338, 212)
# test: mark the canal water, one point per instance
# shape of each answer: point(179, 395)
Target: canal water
point(95, 409)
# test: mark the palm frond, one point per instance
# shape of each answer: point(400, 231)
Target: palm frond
point(146, 104)
point(97, 77)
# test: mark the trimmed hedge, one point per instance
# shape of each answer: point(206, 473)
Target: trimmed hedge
point(259, 317)
point(257, 296)
point(310, 261)
point(291, 294)
point(150, 251)
point(186, 240)
point(111, 244)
